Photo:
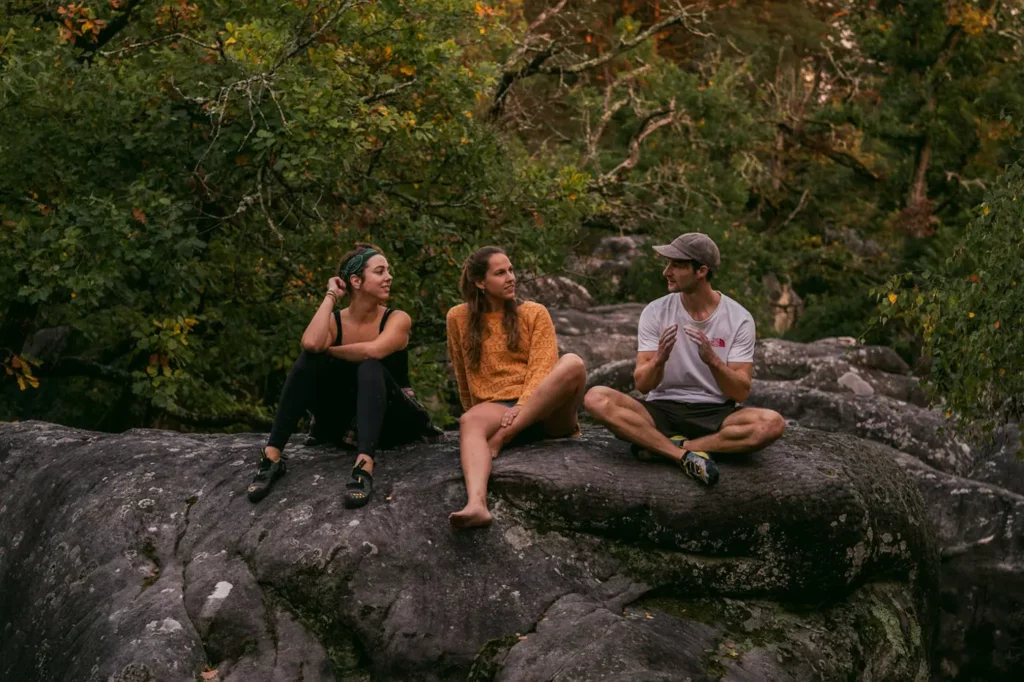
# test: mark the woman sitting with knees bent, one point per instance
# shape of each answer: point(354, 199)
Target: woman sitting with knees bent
point(353, 367)
point(511, 380)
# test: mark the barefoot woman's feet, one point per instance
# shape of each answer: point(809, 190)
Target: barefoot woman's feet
point(471, 516)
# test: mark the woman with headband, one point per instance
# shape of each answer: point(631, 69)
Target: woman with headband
point(512, 384)
point(354, 367)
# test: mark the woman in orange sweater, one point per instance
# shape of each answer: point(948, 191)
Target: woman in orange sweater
point(511, 380)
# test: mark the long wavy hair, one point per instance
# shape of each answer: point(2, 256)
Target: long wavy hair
point(360, 272)
point(474, 270)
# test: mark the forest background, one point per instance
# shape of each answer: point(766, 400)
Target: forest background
point(179, 179)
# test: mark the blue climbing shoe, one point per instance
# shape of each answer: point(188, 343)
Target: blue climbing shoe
point(698, 465)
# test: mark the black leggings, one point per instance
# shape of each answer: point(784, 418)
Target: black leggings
point(333, 390)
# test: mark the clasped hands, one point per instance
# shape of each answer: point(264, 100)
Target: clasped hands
point(668, 341)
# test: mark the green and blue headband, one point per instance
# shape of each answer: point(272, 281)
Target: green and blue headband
point(356, 263)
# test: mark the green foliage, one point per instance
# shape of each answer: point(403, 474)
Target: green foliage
point(181, 179)
point(179, 197)
point(834, 148)
point(968, 311)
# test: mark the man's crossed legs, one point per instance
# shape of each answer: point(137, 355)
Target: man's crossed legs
point(649, 426)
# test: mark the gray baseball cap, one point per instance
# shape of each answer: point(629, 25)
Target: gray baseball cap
point(695, 246)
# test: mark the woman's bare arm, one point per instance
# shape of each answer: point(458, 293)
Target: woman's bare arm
point(394, 337)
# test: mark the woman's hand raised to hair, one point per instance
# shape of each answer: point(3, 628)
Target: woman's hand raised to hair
point(337, 286)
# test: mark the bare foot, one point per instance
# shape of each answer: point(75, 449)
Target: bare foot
point(471, 516)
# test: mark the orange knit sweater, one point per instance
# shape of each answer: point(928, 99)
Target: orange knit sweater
point(502, 375)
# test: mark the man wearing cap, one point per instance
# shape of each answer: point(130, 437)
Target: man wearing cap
point(693, 387)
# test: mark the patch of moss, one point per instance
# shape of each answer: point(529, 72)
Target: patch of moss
point(309, 601)
point(713, 666)
point(874, 629)
point(488, 659)
point(149, 551)
point(151, 579)
point(647, 565)
point(726, 614)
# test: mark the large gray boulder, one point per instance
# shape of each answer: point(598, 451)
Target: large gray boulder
point(599, 335)
point(972, 489)
point(137, 557)
point(981, 532)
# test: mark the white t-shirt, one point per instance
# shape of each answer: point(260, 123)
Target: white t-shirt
point(687, 379)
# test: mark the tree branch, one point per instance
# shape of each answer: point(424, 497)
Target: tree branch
point(116, 25)
point(610, 109)
point(799, 207)
point(539, 64)
point(510, 77)
point(301, 45)
point(652, 122)
point(370, 99)
point(842, 158)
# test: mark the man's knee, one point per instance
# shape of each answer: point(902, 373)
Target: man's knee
point(599, 400)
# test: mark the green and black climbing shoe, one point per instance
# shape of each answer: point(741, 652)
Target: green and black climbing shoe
point(359, 489)
point(267, 472)
point(698, 465)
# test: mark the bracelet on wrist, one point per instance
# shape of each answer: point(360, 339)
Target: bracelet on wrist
point(333, 295)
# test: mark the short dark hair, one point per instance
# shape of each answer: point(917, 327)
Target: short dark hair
point(695, 265)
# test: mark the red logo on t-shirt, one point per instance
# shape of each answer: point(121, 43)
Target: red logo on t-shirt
point(718, 343)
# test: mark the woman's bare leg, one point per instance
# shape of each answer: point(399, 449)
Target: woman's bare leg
point(475, 427)
point(555, 403)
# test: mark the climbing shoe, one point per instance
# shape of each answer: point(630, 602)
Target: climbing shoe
point(359, 489)
point(267, 472)
point(698, 465)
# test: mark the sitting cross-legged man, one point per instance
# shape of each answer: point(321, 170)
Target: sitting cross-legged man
point(694, 380)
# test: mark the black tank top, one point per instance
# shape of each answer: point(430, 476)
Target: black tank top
point(397, 363)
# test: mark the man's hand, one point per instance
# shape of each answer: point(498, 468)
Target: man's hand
point(510, 416)
point(666, 343)
point(705, 350)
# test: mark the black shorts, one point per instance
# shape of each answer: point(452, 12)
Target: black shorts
point(692, 420)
